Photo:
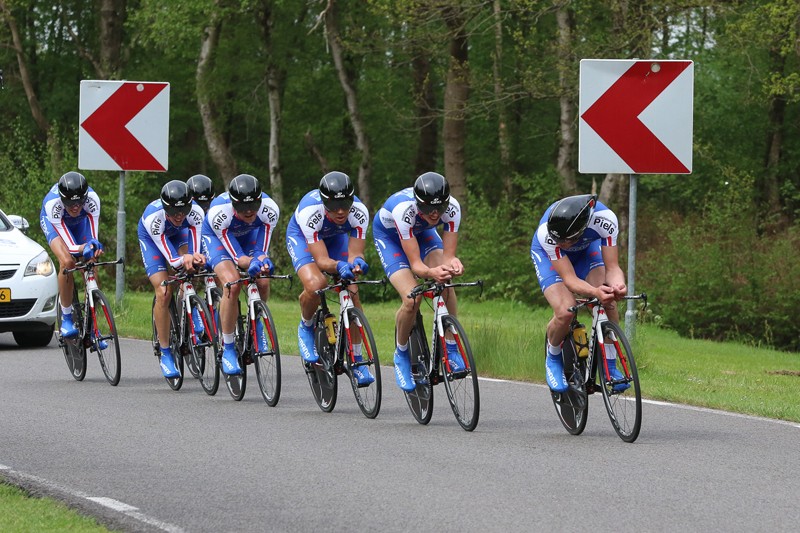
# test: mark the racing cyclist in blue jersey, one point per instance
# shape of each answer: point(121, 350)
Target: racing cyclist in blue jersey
point(405, 235)
point(69, 220)
point(574, 251)
point(202, 190)
point(236, 232)
point(169, 234)
point(327, 234)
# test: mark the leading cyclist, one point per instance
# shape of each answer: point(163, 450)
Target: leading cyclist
point(574, 251)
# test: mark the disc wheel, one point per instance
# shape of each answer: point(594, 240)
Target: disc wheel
point(73, 347)
point(104, 338)
point(462, 387)
point(210, 377)
point(368, 396)
point(322, 374)
point(420, 400)
point(174, 343)
point(572, 406)
point(622, 397)
point(267, 356)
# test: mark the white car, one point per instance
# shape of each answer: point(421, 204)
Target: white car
point(28, 285)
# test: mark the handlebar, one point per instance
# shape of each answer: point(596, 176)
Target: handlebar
point(583, 302)
point(438, 288)
point(182, 275)
point(92, 264)
point(246, 278)
point(343, 283)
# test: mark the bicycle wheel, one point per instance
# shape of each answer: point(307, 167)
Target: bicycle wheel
point(462, 387)
point(174, 343)
point(420, 400)
point(368, 396)
point(73, 347)
point(104, 333)
point(572, 406)
point(203, 346)
point(622, 397)
point(210, 378)
point(322, 374)
point(267, 356)
point(237, 384)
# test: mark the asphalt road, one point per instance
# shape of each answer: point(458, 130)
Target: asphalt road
point(144, 458)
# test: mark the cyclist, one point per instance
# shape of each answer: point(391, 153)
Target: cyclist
point(69, 218)
point(169, 233)
point(408, 245)
point(327, 233)
point(236, 233)
point(202, 190)
point(574, 250)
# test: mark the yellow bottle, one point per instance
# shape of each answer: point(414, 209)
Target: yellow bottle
point(330, 328)
point(581, 341)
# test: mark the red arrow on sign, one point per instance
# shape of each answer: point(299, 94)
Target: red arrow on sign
point(107, 125)
point(614, 117)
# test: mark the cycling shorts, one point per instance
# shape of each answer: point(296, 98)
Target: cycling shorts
point(297, 246)
point(583, 262)
point(393, 258)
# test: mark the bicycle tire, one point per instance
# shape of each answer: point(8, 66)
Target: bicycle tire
point(105, 330)
point(322, 375)
point(462, 387)
point(624, 407)
point(73, 347)
point(174, 343)
point(202, 346)
point(572, 406)
point(368, 397)
point(237, 383)
point(267, 356)
point(210, 378)
point(420, 400)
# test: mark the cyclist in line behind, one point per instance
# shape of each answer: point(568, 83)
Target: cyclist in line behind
point(405, 235)
point(69, 219)
point(169, 234)
point(327, 233)
point(574, 251)
point(236, 234)
point(202, 190)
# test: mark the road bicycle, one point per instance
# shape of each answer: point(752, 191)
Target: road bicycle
point(334, 346)
point(188, 338)
point(586, 363)
point(430, 365)
point(261, 350)
point(96, 332)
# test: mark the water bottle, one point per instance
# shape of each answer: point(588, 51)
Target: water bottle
point(581, 340)
point(330, 328)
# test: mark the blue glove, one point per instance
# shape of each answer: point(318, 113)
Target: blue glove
point(345, 270)
point(255, 267)
point(269, 264)
point(360, 263)
point(92, 245)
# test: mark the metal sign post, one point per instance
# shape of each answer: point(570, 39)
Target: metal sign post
point(121, 238)
point(630, 313)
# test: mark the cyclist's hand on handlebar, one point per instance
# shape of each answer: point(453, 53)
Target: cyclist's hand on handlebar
point(441, 273)
point(620, 291)
point(360, 266)
point(456, 267)
point(188, 262)
point(255, 267)
point(606, 295)
point(92, 249)
point(345, 270)
point(269, 266)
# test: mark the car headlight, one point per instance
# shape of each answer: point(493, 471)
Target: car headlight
point(41, 265)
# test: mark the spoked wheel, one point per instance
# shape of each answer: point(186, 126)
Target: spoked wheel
point(210, 377)
point(368, 395)
point(203, 339)
point(192, 337)
point(174, 343)
point(267, 356)
point(572, 406)
point(622, 397)
point(237, 384)
point(462, 386)
point(73, 347)
point(104, 337)
point(420, 400)
point(322, 374)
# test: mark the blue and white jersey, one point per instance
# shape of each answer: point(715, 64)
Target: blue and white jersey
point(168, 237)
point(602, 227)
point(221, 222)
point(311, 221)
point(54, 215)
point(399, 215)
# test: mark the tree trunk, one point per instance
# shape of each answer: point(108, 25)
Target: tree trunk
point(362, 142)
point(425, 105)
point(503, 142)
point(454, 131)
point(112, 19)
point(566, 64)
point(275, 80)
point(217, 146)
point(770, 186)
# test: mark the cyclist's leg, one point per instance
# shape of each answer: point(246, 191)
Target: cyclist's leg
point(66, 285)
point(161, 318)
point(228, 313)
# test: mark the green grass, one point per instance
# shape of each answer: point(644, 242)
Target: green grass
point(22, 513)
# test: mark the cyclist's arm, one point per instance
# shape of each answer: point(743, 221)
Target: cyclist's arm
point(355, 248)
point(92, 208)
point(615, 277)
point(450, 243)
point(55, 215)
point(156, 224)
point(576, 285)
point(418, 267)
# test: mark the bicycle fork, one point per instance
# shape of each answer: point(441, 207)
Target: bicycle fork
point(599, 317)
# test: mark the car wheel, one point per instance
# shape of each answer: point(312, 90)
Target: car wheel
point(33, 339)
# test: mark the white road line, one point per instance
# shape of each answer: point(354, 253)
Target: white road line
point(109, 503)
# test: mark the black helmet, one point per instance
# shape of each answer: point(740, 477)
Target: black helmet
point(201, 189)
point(432, 193)
point(337, 191)
point(570, 216)
point(73, 189)
point(176, 198)
point(245, 193)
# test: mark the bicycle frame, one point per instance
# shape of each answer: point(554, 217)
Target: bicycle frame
point(90, 285)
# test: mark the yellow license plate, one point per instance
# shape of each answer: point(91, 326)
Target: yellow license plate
point(5, 295)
